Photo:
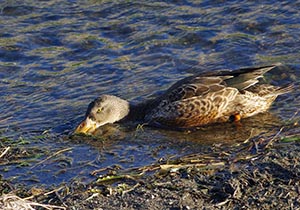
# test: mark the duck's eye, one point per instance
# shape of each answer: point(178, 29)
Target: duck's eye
point(100, 110)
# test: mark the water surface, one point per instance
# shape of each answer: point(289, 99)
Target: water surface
point(57, 56)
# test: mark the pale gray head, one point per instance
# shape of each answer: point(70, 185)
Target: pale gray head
point(103, 110)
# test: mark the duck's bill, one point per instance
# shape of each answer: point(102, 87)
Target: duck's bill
point(87, 126)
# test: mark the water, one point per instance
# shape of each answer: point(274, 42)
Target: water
point(57, 56)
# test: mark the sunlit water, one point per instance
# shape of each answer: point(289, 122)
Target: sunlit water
point(57, 56)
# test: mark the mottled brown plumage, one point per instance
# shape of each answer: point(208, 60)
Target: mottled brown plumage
point(215, 97)
point(207, 98)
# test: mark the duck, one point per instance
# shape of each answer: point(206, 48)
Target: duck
point(195, 101)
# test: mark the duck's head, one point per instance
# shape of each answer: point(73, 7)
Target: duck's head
point(103, 110)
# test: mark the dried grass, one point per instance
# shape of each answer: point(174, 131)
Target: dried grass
point(13, 202)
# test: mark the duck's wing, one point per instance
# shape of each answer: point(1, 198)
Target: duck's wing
point(245, 78)
point(193, 86)
point(208, 83)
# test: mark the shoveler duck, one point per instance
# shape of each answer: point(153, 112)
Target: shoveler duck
point(206, 98)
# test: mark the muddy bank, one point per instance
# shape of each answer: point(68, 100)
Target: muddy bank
point(270, 181)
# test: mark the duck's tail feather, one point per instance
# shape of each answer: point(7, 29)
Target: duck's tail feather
point(246, 78)
point(285, 89)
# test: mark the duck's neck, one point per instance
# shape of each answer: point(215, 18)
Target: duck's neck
point(137, 112)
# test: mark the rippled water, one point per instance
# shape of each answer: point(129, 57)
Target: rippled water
point(56, 56)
